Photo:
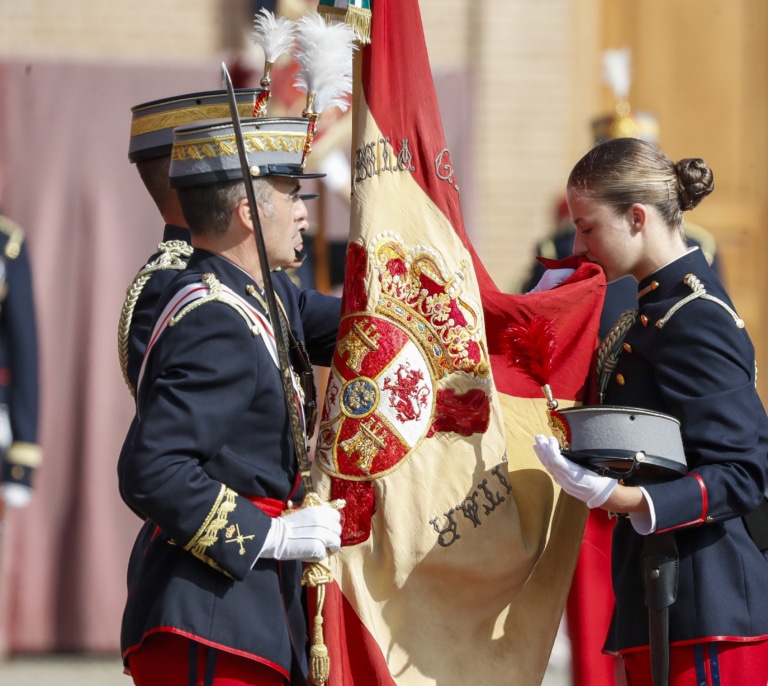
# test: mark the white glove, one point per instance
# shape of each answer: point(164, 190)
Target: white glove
point(552, 278)
point(16, 495)
point(309, 534)
point(574, 479)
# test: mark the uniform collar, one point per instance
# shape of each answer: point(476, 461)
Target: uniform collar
point(176, 233)
point(665, 281)
point(227, 272)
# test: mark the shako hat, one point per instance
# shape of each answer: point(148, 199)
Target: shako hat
point(153, 122)
point(623, 122)
point(206, 152)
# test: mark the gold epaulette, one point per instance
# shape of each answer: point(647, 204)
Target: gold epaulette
point(215, 294)
point(170, 257)
point(15, 237)
point(698, 291)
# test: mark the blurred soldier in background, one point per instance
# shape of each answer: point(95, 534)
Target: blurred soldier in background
point(21, 453)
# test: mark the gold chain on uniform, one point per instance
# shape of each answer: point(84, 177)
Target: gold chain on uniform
point(610, 349)
point(170, 257)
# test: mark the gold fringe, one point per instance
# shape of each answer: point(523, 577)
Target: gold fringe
point(331, 14)
point(357, 17)
point(360, 20)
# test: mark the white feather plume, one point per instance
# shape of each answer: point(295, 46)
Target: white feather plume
point(616, 71)
point(324, 54)
point(273, 34)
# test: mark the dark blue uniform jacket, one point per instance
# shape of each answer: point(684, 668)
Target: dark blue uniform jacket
point(213, 429)
point(696, 363)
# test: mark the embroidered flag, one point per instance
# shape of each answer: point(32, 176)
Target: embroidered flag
point(458, 550)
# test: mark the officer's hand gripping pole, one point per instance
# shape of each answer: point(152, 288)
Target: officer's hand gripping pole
point(316, 574)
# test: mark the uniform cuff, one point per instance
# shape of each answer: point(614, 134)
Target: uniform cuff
point(644, 523)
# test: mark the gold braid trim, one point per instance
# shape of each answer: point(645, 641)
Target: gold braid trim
point(610, 349)
point(170, 257)
point(699, 291)
point(15, 237)
point(208, 533)
point(26, 454)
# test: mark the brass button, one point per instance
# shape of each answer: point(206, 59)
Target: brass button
point(620, 379)
point(643, 320)
point(627, 347)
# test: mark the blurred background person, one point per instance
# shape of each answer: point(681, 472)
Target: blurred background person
point(19, 393)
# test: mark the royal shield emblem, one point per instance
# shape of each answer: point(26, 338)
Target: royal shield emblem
point(394, 381)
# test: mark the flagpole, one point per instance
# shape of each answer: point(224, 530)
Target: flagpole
point(316, 574)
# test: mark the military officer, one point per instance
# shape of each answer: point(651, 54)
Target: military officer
point(214, 578)
point(152, 125)
point(682, 351)
point(19, 391)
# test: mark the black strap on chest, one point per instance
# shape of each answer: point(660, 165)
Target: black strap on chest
point(306, 379)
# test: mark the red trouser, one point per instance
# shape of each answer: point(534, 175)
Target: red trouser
point(590, 604)
point(166, 659)
point(705, 664)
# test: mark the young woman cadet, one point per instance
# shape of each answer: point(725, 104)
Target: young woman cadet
point(684, 352)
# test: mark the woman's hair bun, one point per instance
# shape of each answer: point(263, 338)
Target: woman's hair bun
point(694, 182)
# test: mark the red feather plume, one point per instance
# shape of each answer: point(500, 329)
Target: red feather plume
point(530, 345)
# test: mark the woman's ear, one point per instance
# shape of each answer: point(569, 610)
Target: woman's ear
point(639, 216)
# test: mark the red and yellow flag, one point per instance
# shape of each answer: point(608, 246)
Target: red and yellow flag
point(458, 550)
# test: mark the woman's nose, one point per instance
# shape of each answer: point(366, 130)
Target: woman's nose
point(579, 245)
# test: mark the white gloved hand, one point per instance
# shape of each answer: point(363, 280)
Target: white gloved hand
point(309, 534)
point(552, 278)
point(574, 479)
point(16, 495)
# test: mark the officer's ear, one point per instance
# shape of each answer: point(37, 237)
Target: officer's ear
point(243, 213)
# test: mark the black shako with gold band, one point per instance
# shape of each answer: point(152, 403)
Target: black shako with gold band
point(687, 354)
point(213, 435)
point(19, 378)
